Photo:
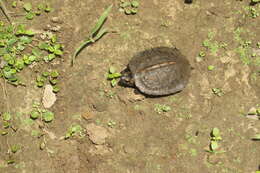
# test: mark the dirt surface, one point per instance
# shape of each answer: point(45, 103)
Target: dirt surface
point(122, 130)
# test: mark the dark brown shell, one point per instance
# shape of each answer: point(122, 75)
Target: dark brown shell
point(160, 71)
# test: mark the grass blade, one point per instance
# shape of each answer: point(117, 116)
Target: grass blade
point(101, 21)
point(100, 34)
point(84, 44)
point(95, 34)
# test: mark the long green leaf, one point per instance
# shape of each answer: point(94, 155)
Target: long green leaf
point(84, 44)
point(94, 36)
point(101, 21)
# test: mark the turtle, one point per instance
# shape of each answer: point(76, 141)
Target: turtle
point(157, 71)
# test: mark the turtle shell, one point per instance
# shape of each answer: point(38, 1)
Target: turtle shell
point(160, 71)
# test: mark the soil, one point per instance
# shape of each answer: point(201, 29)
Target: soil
point(127, 134)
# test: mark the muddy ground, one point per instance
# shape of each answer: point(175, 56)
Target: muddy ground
point(122, 131)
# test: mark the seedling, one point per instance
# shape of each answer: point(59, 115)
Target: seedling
point(51, 77)
point(74, 130)
point(35, 114)
point(211, 67)
point(129, 7)
point(217, 91)
point(256, 137)
point(111, 123)
point(95, 34)
point(113, 76)
point(47, 116)
point(30, 13)
point(214, 141)
point(15, 148)
point(161, 108)
point(6, 116)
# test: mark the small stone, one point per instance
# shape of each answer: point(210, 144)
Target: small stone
point(97, 134)
point(56, 20)
point(49, 97)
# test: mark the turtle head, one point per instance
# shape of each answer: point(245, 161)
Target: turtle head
point(127, 78)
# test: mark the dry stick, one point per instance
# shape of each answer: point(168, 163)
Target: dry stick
point(5, 11)
point(5, 95)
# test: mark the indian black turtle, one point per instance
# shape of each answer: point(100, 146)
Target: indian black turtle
point(158, 71)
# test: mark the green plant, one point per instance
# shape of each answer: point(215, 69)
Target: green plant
point(30, 13)
point(113, 76)
point(18, 49)
point(211, 67)
point(129, 7)
point(217, 91)
point(95, 34)
point(161, 108)
point(214, 141)
point(256, 137)
point(73, 130)
point(15, 148)
point(47, 116)
point(48, 76)
point(111, 123)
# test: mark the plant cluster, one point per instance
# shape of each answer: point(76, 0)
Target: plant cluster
point(30, 12)
point(113, 76)
point(52, 77)
point(45, 115)
point(159, 108)
point(129, 7)
point(18, 50)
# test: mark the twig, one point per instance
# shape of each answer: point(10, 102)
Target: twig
point(5, 95)
point(5, 11)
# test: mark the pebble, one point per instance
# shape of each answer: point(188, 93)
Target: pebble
point(49, 97)
point(97, 134)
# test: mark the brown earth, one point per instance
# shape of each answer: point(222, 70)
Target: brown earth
point(140, 140)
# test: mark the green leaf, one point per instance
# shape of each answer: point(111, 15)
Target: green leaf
point(135, 4)
point(41, 6)
point(43, 45)
point(25, 39)
point(54, 38)
point(51, 56)
point(47, 8)
point(58, 52)
point(53, 81)
point(34, 114)
point(113, 82)
point(112, 70)
point(100, 21)
point(40, 84)
point(213, 145)
point(6, 116)
point(27, 7)
point(114, 75)
point(30, 15)
point(19, 64)
point(256, 137)
point(45, 74)
point(55, 89)
point(36, 52)
point(216, 132)
point(134, 10)
point(48, 116)
point(20, 46)
point(29, 32)
point(14, 4)
point(93, 33)
point(15, 148)
point(54, 74)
